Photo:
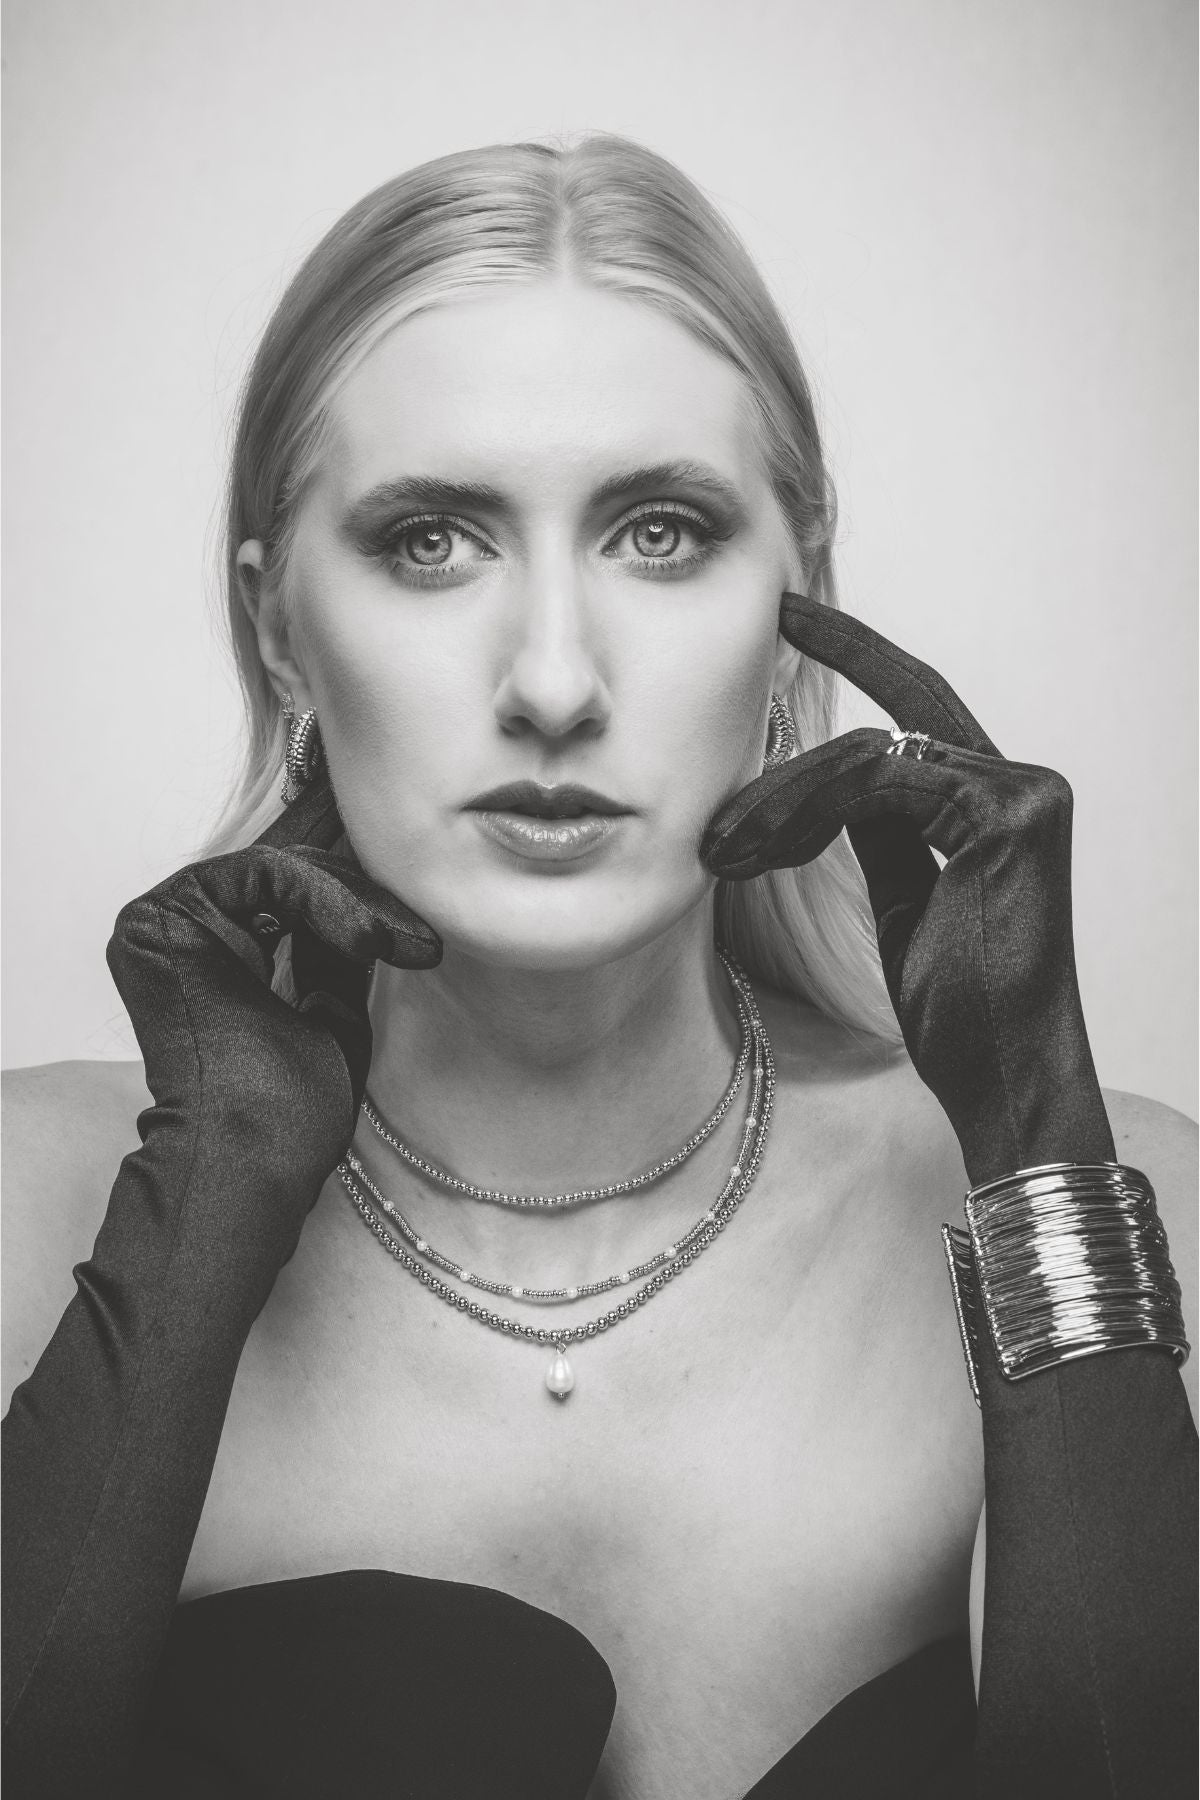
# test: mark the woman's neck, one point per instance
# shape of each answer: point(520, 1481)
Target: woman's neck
point(537, 1081)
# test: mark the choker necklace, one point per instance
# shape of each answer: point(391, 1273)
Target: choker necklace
point(560, 1377)
point(498, 1197)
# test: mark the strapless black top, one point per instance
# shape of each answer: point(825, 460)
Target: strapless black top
point(369, 1684)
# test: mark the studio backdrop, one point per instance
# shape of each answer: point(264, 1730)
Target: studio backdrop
point(979, 219)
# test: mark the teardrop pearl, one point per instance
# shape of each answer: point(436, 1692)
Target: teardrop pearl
point(560, 1377)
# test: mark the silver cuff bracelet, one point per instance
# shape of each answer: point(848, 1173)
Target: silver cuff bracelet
point(1063, 1261)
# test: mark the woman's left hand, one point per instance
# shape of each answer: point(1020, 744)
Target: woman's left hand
point(977, 955)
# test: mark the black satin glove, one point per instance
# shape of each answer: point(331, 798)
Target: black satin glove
point(109, 1444)
point(285, 1081)
point(1088, 1679)
point(978, 956)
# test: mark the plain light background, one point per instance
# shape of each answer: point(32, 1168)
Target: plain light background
point(977, 214)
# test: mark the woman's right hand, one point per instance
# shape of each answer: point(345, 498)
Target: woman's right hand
point(193, 960)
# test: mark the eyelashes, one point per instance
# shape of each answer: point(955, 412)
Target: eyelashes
point(421, 549)
point(656, 530)
point(664, 540)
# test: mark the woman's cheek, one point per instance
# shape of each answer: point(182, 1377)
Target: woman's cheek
point(384, 743)
point(728, 700)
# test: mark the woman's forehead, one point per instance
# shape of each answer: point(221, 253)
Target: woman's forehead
point(546, 381)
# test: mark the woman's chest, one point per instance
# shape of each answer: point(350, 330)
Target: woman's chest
point(754, 1499)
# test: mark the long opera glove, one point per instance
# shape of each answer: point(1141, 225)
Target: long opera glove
point(1088, 1676)
point(110, 1442)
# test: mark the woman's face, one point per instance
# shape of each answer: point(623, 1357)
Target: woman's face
point(540, 555)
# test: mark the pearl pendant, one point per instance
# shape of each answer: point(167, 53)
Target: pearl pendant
point(560, 1377)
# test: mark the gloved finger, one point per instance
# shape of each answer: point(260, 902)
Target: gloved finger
point(332, 991)
point(912, 693)
point(951, 796)
point(319, 970)
point(900, 872)
point(413, 943)
point(267, 891)
point(740, 831)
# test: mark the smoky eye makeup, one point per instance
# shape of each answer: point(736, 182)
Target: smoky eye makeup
point(665, 538)
point(659, 539)
point(425, 549)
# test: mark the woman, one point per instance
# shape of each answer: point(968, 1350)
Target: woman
point(529, 566)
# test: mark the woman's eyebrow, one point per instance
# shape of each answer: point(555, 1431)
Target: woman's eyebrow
point(422, 490)
point(442, 491)
point(681, 473)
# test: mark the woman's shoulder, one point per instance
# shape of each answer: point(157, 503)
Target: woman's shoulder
point(1152, 1136)
point(1162, 1143)
point(862, 1097)
point(866, 1091)
point(859, 1097)
point(64, 1119)
point(66, 1128)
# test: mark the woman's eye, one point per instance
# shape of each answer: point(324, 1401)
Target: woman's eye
point(428, 549)
point(656, 536)
point(429, 544)
point(662, 535)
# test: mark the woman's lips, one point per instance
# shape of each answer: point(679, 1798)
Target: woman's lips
point(547, 840)
point(546, 824)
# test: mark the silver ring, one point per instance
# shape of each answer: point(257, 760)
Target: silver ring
point(920, 742)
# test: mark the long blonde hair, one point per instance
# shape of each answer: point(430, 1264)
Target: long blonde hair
point(618, 216)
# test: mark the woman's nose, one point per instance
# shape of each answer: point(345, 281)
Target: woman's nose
point(552, 683)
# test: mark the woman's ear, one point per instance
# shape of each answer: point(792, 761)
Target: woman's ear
point(787, 657)
point(264, 606)
point(787, 665)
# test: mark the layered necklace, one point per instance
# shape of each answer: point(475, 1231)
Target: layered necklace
point(415, 1254)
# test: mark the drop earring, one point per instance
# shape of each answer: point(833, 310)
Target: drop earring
point(781, 735)
point(303, 755)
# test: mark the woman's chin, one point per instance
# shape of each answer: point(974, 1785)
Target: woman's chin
point(559, 931)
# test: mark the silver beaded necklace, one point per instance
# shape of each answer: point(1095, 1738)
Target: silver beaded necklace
point(560, 1376)
point(424, 1165)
